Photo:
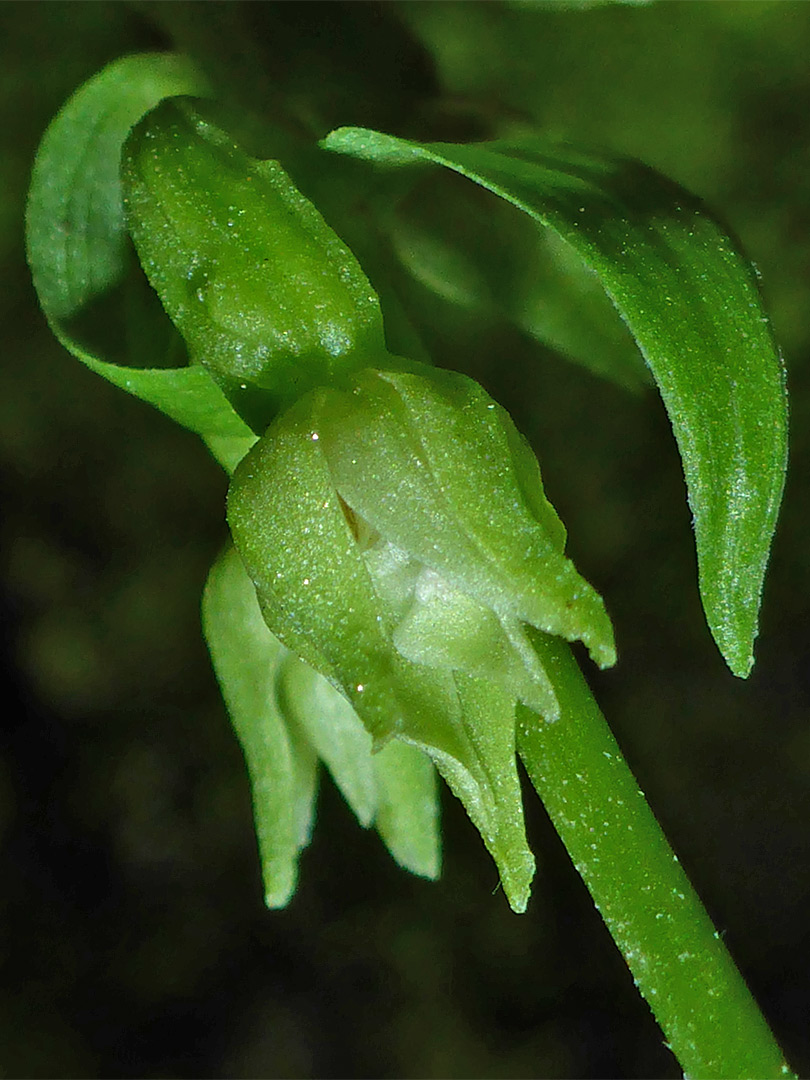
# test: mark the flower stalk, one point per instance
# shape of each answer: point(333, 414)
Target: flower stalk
point(677, 958)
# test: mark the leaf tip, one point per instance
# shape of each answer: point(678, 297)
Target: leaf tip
point(731, 603)
point(370, 145)
point(740, 661)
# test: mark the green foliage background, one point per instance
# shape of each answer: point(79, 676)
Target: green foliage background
point(133, 938)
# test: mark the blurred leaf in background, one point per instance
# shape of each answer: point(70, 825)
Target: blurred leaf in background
point(133, 936)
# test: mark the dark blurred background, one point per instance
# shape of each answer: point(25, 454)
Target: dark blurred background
point(133, 938)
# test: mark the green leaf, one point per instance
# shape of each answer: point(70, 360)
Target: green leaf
point(265, 294)
point(76, 236)
point(76, 226)
point(477, 254)
point(692, 302)
point(282, 765)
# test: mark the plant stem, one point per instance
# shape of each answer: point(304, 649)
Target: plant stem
point(678, 961)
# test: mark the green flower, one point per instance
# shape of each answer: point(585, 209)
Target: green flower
point(401, 544)
point(391, 518)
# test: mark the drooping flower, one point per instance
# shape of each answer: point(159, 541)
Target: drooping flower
point(391, 518)
point(401, 543)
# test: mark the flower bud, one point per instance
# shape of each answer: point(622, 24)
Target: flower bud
point(401, 543)
point(265, 294)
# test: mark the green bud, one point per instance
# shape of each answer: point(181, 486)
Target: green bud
point(401, 543)
point(265, 294)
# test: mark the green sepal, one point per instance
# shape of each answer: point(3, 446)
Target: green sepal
point(286, 717)
point(392, 788)
point(408, 809)
point(333, 730)
point(489, 720)
point(282, 765)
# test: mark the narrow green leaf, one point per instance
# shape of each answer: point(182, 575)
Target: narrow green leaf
point(247, 659)
point(477, 254)
point(76, 236)
point(692, 302)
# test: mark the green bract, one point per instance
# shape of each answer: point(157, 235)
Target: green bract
point(265, 294)
point(691, 300)
point(400, 542)
point(78, 248)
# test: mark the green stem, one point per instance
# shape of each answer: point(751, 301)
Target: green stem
point(679, 964)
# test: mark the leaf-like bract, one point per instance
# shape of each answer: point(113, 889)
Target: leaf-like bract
point(77, 243)
point(692, 302)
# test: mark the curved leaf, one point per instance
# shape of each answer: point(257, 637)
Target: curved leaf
point(477, 254)
point(692, 303)
point(76, 236)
